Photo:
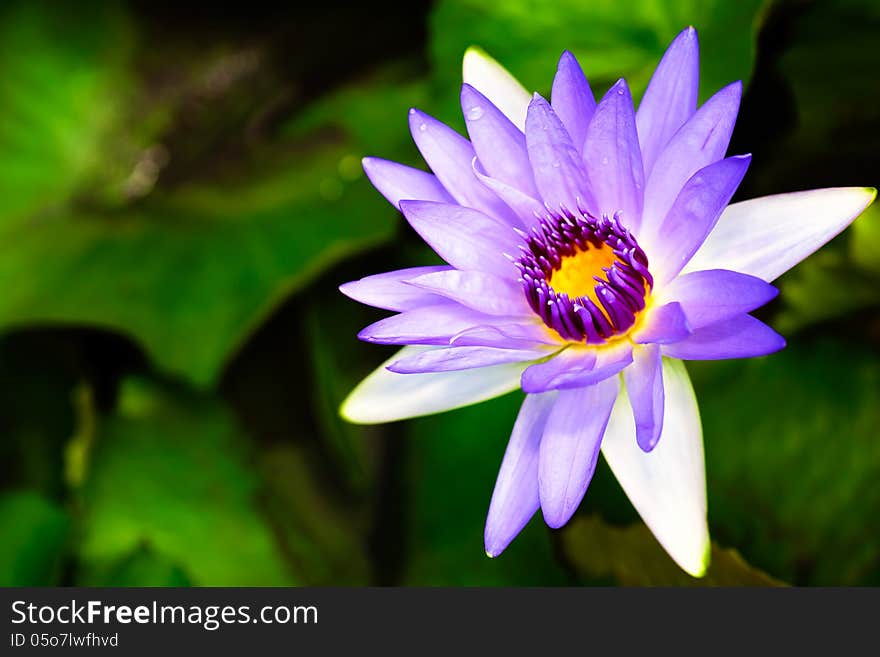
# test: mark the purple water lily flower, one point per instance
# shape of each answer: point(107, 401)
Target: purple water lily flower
point(590, 250)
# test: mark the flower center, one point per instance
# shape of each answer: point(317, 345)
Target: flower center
point(586, 277)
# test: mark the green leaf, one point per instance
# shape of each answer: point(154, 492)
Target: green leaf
point(63, 87)
point(454, 460)
point(142, 567)
point(323, 535)
point(33, 534)
point(631, 556)
point(189, 272)
point(792, 460)
point(191, 278)
point(170, 475)
point(611, 39)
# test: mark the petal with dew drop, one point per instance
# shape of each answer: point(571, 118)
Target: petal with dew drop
point(559, 171)
point(490, 78)
point(450, 155)
point(397, 182)
point(499, 145)
point(613, 159)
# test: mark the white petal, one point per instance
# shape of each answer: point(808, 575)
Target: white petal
point(385, 396)
point(667, 486)
point(767, 236)
point(494, 81)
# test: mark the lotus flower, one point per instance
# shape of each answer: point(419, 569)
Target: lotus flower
point(590, 249)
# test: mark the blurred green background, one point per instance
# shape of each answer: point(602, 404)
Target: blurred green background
point(181, 194)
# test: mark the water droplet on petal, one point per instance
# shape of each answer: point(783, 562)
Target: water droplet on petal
point(423, 127)
point(604, 160)
point(475, 113)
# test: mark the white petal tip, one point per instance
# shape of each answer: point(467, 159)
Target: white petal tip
point(495, 82)
point(699, 568)
point(351, 412)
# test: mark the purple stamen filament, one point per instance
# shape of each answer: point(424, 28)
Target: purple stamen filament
point(570, 247)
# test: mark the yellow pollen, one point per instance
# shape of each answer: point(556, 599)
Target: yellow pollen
point(575, 274)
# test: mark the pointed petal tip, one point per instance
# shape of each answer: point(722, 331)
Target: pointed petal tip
point(493, 546)
point(468, 91)
point(872, 193)
point(415, 114)
point(699, 570)
point(348, 411)
point(689, 34)
point(647, 439)
point(567, 58)
point(345, 288)
point(475, 51)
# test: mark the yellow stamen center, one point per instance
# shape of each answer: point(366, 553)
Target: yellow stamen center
point(575, 274)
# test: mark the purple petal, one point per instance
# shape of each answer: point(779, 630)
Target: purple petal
point(559, 172)
point(767, 236)
point(671, 96)
point(495, 82)
point(663, 325)
point(508, 334)
point(389, 291)
point(740, 337)
point(576, 367)
point(515, 498)
point(570, 447)
point(572, 98)
point(713, 295)
point(450, 155)
point(644, 385)
point(500, 145)
point(465, 238)
point(698, 143)
point(525, 207)
point(463, 358)
point(484, 292)
point(430, 325)
point(397, 182)
point(694, 215)
point(613, 158)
